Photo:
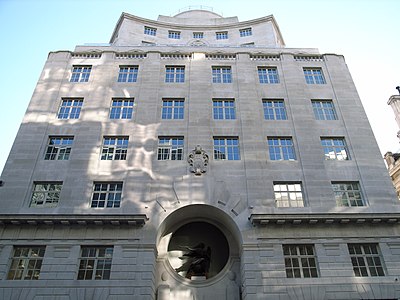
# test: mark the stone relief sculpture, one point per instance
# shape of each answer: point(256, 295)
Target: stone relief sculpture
point(197, 262)
point(198, 160)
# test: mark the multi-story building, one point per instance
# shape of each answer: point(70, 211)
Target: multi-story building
point(392, 159)
point(195, 157)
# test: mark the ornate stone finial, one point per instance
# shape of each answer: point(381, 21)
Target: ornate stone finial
point(198, 161)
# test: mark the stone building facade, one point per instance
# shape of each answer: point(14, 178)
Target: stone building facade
point(195, 157)
point(392, 159)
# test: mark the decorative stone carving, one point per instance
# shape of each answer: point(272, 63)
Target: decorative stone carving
point(197, 43)
point(198, 160)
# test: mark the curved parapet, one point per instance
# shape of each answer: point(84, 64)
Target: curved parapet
point(202, 25)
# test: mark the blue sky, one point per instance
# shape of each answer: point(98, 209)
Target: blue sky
point(366, 32)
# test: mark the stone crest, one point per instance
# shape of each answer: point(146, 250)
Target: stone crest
point(198, 161)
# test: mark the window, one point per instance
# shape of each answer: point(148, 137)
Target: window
point(288, 194)
point(170, 148)
point(198, 35)
point(268, 75)
point(224, 110)
point(226, 148)
point(347, 194)
point(121, 108)
point(95, 263)
point(114, 148)
point(172, 109)
point(174, 35)
point(106, 194)
point(335, 148)
point(281, 148)
point(300, 261)
point(59, 148)
point(128, 73)
point(324, 110)
point(174, 74)
point(26, 263)
point(80, 73)
point(46, 194)
point(70, 108)
point(222, 35)
point(221, 75)
point(314, 76)
point(150, 30)
point(274, 110)
point(366, 260)
point(245, 32)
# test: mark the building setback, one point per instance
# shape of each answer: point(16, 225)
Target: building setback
point(196, 157)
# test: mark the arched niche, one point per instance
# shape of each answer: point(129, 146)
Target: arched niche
point(192, 225)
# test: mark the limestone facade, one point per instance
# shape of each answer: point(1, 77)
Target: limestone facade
point(261, 152)
point(392, 159)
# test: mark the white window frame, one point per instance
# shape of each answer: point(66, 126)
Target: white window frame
point(170, 148)
point(107, 194)
point(128, 74)
point(45, 194)
point(175, 111)
point(95, 262)
point(245, 32)
point(226, 148)
point(268, 75)
point(348, 193)
point(59, 147)
point(324, 110)
point(114, 148)
point(174, 34)
point(26, 262)
point(289, 194)
point(221, 74)
point(174, 74)
point(71, 109)
point(314, 76)
point(225, 111)
point(221, 35)
point(150, 31)
point(366, 259)
point(335, 148)
point(80, 73)
point(300, 261)
point(122, 108)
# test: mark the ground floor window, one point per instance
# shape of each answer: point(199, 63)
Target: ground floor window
point(26, 263)
point(95, 263)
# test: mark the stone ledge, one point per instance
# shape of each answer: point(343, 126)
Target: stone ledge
point(30, 219)
point(333, 218)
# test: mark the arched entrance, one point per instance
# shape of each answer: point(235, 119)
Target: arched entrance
point(198, 254)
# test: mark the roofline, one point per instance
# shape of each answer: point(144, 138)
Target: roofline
point(247, 23)
point(190, 10)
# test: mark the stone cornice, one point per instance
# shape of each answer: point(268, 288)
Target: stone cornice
point(65, 219)
point(167, 49)
point(328, 218)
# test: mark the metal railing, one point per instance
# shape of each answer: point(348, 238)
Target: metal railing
point(196, 7)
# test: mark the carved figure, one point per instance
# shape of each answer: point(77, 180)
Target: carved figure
point(198, 160)
point(198, 260)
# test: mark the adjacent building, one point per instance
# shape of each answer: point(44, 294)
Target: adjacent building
point(392, 159)
point(195, 157)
